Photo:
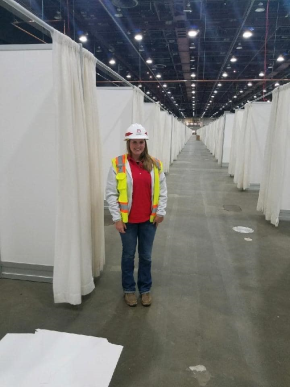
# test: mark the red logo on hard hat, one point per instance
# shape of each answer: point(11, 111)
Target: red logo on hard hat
point(128, 134)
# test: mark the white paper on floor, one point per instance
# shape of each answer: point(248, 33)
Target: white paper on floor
point(56, 359)
point(243, 230)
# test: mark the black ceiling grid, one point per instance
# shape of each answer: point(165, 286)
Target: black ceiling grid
point(110, 26)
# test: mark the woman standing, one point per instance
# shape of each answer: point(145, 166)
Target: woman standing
point(137, 196)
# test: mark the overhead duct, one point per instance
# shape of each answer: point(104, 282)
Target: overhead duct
point(181, 23)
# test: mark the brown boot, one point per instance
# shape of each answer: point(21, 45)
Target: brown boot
point(146, 299)
point(130, 299)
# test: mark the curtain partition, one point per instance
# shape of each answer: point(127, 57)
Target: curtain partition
point(73, 276)
point(95, 163)
point(235, 138)
point(274, 193)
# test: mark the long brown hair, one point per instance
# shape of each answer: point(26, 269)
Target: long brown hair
point(146, 159)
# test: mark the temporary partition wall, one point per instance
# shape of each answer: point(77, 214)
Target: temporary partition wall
point(227, 138)
point(166, 124)
point(152, 124)
point(217, 137)
point(274, 196)
point(47, 150)
point(237, 127)
point(250, 159)
point(117, 111)
point(28, 153)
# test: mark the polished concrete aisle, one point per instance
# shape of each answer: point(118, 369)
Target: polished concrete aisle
point(219, 301)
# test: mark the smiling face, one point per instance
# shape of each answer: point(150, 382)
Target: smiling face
point(137, 148)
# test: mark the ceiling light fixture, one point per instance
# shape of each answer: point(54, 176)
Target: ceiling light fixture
point(149, 61)
point(260, 8)
point(261, 74)
point(192, 33)
point(233, 59)
point(164, 85)
point(280, 58)
point(247, 34)
point(239, 47)
point(84, 39)
point(158, 75)
point(225, 74)
point(219, 84)
point(250, 84)
point(193, 75)
point(277, 84)
point(128, 76)
point(112, 61)
point(138, 37)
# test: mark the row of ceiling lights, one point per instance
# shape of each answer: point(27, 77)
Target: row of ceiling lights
point(191, 33)
point(242, 104)
point(247, 34)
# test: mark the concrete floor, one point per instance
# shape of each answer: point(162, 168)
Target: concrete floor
point(218, 300)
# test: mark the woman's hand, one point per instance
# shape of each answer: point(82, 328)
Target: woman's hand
point(158, 219)
point(120, 226)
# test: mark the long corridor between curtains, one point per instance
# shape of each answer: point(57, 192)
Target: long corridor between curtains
point(219, 301)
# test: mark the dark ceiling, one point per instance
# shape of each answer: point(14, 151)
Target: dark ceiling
point(110, 27)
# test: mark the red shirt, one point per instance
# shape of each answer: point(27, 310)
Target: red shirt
point(141, 197)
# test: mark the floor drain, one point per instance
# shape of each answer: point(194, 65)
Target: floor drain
point(232, 208)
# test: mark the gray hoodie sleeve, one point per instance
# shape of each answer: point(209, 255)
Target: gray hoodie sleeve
point(112, 195)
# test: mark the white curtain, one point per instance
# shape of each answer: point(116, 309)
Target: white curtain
point(138, 106)
point(234, 143)
point(220, 139)
point(239, 167)
point(95, 162)
point(167, 142)
point(275, 184)
point(152, 124)
point(73, 275)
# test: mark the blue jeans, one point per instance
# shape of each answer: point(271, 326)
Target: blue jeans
point(144, 233)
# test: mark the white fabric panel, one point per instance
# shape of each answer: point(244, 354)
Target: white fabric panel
point(138, 106)
point(159, 134)
point(238, 119)
point(115, 107)
point(73, 241)
point(166, 141)
point(220, 139)
point(229, 123)
point(255, 142)
point(274, 193)
point(251, 156)
point(151, 124)
point(56, 359)
point(173, 141)
point(27, 157)
point(239, 167)
point(95, 163)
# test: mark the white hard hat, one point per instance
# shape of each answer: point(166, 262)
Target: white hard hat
point(136, 131)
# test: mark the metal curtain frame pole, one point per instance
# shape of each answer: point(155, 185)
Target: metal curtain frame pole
point(20, 11)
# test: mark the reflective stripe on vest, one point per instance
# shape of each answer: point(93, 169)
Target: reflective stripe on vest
point(119, 165)
point(157, 171)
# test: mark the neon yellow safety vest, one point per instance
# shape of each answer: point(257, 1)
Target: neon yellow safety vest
point(119, 165)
